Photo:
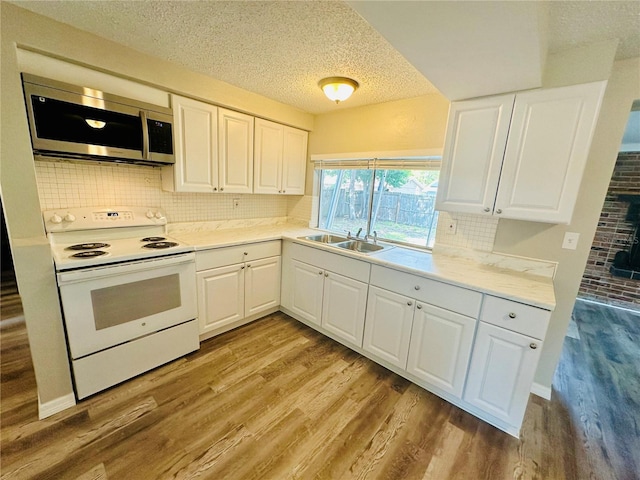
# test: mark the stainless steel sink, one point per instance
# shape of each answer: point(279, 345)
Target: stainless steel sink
point(359, 246)
point(326, 238)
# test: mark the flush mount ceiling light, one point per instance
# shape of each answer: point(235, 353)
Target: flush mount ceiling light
point(338, 89)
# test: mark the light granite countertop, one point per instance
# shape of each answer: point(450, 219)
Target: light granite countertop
point(522, 280)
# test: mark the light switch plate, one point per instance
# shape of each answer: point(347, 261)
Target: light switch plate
point(570, 241)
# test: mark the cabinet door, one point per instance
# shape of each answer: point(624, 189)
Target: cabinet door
point(267, 175)
point(235, 138)
point(501, 372)
point(307, 283)
point(220, 297)
point(547, 151)
point(196, 146)
point(294, 161)
point(262, 285)
point(473, 152)
point(343, 307)
point(440, 347)
point(387, 327)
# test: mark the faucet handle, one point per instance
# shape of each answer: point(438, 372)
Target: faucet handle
point(375, 237)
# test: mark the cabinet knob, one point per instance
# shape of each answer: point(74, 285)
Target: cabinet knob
point(215, 189)
point(419, 307)
point(320, 272)
point(326, 274)
point(246, 253)
point(499, 211)
point(249, 265)
point(409, 303)
point(533, 346)
point(284, 191)
point(279, 191)
point(417, 287)
point(221, 188)
point(487, 209)
point(242, 267)
point(512, 315)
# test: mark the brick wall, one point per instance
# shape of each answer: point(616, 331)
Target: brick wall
point(612, 235)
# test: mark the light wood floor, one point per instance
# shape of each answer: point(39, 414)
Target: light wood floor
point(276, 400)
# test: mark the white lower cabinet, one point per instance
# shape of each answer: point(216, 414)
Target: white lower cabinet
point(230, 295)
point(477, 351)
point(326, 290)
point(440, 348)
point(220, 297)
point(261, 285)
point(388, 325)
point(344, 303)
point(501, 372)
point(305, 297)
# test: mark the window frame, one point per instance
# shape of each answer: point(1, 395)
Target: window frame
point(426, 160)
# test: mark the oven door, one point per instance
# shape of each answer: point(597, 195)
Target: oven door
point(110, 305)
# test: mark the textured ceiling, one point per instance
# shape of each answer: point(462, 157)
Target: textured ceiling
point(280, 49)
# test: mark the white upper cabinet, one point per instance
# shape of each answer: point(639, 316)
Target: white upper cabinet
point(519, 156)
point(196, 147)
point(235, 140)
point(473, 152)
point(280, 158)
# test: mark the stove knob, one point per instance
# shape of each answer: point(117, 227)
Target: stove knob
point(69, 217)
point(56, 218)
point(150, 214)
point(159, 215)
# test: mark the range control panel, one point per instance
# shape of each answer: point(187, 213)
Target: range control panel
point(87, 218)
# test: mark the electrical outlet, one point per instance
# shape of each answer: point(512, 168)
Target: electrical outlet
point(236, 202)
point(570, 241)
point(452, 227)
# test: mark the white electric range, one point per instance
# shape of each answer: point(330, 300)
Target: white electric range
point(127, 292)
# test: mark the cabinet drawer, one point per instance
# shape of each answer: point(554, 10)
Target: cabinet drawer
point(515, 316)
point(449, 297)
point(219, 257)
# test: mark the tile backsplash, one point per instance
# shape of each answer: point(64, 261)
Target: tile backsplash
point(477, 232)
point(66, 185)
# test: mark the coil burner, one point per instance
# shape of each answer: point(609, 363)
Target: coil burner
point(89, 254)
point(88, 246)
point(160, 245)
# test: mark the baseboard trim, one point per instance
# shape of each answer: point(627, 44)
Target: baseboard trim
point(56, 405)
point(541, 391)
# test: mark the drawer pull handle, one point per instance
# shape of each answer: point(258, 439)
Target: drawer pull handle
point(409, 303)
point(417, 287)
point(512, 315)
point(419, 307)
point(533, 346)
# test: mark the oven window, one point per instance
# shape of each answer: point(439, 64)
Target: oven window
point(124, 303)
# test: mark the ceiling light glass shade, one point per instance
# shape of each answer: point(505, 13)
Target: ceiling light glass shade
point(338, 89)
point(95, 123)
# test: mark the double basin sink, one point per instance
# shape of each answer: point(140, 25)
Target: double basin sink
point(345, 243)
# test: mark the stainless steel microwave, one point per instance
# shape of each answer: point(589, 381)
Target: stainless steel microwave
point(72, 122)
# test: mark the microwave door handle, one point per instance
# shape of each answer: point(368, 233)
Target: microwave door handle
point(145, 135)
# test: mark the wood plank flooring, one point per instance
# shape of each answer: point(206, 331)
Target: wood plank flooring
point(277, 400)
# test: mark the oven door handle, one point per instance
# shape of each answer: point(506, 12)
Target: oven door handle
point(124, 268)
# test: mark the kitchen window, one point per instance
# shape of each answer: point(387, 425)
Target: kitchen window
point(394, 198)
